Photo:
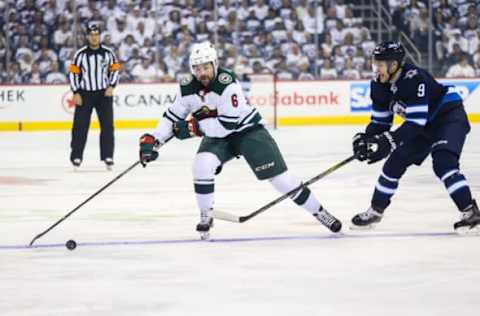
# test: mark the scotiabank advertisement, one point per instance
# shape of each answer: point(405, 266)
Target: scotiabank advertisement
point(140, 102)
point(468, 89)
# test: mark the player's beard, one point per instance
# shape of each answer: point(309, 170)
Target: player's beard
point(205, 80)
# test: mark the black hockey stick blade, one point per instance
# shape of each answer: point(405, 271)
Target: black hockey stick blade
point(241, 219)
point(84, 202)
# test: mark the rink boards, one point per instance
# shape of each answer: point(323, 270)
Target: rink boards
point(51, 107)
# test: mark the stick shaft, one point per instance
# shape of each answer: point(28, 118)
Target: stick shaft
point(240, 219)
point(85, 202)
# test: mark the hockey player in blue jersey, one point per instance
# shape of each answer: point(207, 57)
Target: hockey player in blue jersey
point(435, 123)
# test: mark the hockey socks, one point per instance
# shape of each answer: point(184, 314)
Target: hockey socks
point(285, 183)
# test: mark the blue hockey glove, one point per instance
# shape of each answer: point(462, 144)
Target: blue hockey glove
point(360, 148)
point(185, 129)
point(380, 146)
point(148, 149)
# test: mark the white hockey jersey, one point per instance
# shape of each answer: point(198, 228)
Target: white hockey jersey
point(224, 94)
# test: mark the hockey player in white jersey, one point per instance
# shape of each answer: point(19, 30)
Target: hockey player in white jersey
point(210, 103)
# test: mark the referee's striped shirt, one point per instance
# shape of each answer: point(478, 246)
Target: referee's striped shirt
point(93, 69)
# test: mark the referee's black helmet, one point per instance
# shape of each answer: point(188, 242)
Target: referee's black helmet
point(92, 28)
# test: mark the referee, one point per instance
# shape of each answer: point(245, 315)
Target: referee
point(93, 75)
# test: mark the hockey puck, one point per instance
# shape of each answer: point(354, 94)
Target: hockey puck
point(71, 244)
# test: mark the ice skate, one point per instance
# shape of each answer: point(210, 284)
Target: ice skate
point(206, 222)
point(366, 220)
point(470, 221)
point(76, 164)
point(109, 164)
point(327, 219)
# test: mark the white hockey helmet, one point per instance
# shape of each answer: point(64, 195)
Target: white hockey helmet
point(202, 53)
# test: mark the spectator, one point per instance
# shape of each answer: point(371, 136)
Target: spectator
point(133, 19)
point(327, 44)
point(61, 35)
point(304, 70)
point(3, 74)
point(144, 71)
point(260, 9)
point(258, 68)
point(44, 62)
point(455, 56)
point(15, 73)
point(313, 20)
point(456, 38)
point(461, 70)
point(23, 48)
point(283, 72)
point(350, 73)
point(126, 47)
point(55, 76)
point(120, 32)
point(327, 72)
point(25, 62)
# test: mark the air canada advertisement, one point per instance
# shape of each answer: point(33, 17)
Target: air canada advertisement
point(148, 101)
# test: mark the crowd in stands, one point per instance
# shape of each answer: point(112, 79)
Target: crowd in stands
point(456, 33)
point(296, 39)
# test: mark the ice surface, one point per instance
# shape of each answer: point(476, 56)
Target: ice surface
point(138, 252)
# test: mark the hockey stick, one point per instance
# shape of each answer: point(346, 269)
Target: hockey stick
point(91, 197)
point(240, 219)
point(85, 202)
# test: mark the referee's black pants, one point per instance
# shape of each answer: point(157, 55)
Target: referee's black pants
point(81, 122)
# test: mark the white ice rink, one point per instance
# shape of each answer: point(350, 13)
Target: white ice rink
point(139, 254)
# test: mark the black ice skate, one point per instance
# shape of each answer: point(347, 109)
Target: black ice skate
point(470, 222)
point(109, 164)
point(328, 220)
point(206, 222)
point(367, 219)
point(76, 163)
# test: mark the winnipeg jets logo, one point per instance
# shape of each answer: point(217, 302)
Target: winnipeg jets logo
point(411, 73)
point(399, 108)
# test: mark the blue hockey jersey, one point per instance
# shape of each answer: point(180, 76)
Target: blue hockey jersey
point(415, 96)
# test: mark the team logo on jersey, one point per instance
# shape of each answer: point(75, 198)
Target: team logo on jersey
point(186, 80)
point(225, 78)
point(411, 73)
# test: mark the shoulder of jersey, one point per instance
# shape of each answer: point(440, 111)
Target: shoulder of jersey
point(411, 77)
point(81, 49)
point(105, 47)
point(412, 72)
point(224, 78)
point(188, 85)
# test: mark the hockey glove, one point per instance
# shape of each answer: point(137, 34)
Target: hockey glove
point(148, 149)
point(185, 129)
point(380, 146)
point(360, 148)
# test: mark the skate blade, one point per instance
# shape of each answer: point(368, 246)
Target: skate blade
point(109, 168)
point(466, 231)
point(362, 228)
point(205, 236)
